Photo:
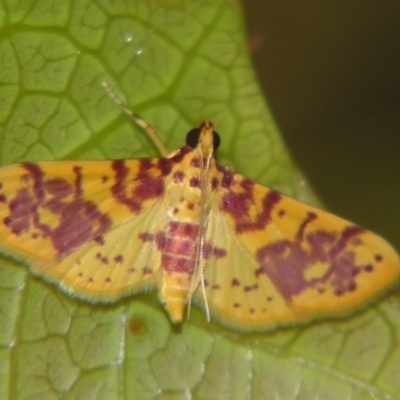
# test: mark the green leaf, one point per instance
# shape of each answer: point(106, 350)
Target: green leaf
point(176, 63)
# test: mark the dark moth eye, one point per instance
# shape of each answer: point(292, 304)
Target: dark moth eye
point(192, 138)
point(217, 140)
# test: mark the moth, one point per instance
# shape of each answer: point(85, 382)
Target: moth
point(195, 230)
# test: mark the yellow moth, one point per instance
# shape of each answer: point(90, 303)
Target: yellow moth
point(197, 231)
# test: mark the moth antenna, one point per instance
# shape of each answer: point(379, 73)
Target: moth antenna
point(199, 266)
point(201, 259)
point(151, 132)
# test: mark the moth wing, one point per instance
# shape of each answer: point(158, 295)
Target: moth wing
point(78, 224)
point(276, 261)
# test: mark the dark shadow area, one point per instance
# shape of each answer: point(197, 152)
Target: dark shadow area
point(331, 73)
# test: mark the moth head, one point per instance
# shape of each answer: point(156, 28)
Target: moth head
point(204, 138)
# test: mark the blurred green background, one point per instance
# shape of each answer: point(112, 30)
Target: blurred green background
point(331, 73)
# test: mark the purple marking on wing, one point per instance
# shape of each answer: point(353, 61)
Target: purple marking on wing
point(145, 187)
point(368, 268)
point(228, 177)
point(147, 271)
point(352, 286)
point(79, 220)
point(108, 279)
point(78, 181)
point(178, 176)
point(165, 166)
point(119, 259)
point(23, 211)
point(190, 206)
point(216, 287)
point(104, 260)
point(119, 189)
point(104, 179)
point(378, 257)
point(236, 305)
point(348, 234)
point(194, 182)
point(195, 162)
point(320, 241)
point(219, 253)
point(238, 205)
point(100, 240)
point(23, 208)
point(146, 237)
point(249, 288)
point(310, 217)
point(214, 183)
point(235, 282)
point(207, 250)
point(247, 185)
point(282, 213)
point(3, 198)
point(1, 186)
point(178, 157)
point(286, 262)
point(58, 187)
point(160, 240)
point(148, 188)
point(37, 175)
point(25, 178)
point(145, 164)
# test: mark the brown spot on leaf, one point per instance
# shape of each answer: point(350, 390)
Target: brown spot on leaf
point(136, 326)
